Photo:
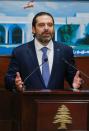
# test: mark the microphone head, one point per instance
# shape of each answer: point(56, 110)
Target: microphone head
point(46, 59)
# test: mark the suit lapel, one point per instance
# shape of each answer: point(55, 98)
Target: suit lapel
point(56, 62)
point(33, 58)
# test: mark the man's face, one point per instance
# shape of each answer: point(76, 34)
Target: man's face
point(44, 29)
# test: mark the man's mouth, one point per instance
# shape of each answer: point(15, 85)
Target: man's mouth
point(46, 33)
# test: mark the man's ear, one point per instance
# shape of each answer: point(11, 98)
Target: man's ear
point(33, 30)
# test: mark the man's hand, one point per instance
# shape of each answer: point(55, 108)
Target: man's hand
point(19, 82)
point(77, 81)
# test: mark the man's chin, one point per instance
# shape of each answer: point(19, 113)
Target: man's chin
point(46, 40)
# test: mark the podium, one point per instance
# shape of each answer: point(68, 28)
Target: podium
point(46, 110)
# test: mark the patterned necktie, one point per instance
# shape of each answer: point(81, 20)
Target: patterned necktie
point(45, 67)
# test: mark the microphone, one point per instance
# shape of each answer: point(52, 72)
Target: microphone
point(75, 68)
point(26, 78)
point(85, 75)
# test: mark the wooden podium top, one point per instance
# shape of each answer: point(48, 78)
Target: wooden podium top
point(53, 92)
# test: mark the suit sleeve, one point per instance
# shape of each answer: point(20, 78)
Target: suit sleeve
point(70, 71)
point(11, 73)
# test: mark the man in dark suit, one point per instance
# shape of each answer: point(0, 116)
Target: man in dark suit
point(27, 59)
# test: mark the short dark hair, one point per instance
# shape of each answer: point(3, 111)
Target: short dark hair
point(40, 14)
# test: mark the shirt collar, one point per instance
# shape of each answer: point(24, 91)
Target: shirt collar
point(39, 46)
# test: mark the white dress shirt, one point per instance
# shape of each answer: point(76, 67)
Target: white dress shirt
point(50, 53)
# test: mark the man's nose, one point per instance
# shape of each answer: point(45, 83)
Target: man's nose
point(46, 26)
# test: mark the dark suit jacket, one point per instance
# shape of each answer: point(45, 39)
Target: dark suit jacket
point(24, 60)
